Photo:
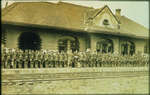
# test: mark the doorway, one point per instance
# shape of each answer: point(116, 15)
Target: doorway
point(29, 40)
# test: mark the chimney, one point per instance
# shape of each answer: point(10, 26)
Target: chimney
point(6, 4)
point(118, 12)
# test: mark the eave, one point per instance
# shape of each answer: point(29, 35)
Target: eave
point(91, 30)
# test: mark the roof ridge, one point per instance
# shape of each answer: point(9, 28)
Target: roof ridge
point(99, 10)
point(74, 4)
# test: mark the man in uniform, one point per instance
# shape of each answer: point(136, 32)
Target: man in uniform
point(73, 60)
point(35, 61)
point(65, 59)
point(62, 58)
point(59, 57)
point(49, 61)
point(94, 59)
point(99, 59)
point(3, 60)
point(55, 59)
point(26, 60)
point(8, 61)
point(81, 59)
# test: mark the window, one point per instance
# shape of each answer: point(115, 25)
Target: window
point(105, 22)
point(68, 43)
point(62, 45)
point(127, 48)
point(105, 46)
point(146, 48)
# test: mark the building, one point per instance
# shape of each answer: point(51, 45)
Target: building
point(65, 26)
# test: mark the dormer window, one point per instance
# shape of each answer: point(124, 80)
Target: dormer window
point(105, 22)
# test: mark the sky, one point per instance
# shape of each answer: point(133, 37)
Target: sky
point(137, 11)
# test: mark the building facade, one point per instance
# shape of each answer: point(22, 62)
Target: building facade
point(64, 26)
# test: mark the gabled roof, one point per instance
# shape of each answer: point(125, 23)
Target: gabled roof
point(99, 11)
point(65, 15)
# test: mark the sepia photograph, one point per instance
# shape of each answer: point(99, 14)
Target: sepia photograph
point(84, 47)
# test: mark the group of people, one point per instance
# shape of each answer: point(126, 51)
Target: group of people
point(15, 58)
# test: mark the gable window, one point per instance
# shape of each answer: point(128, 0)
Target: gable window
point(105, 22)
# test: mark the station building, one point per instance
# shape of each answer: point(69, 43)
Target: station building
point(64, 26)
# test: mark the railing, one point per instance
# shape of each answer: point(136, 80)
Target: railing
point(39, 59)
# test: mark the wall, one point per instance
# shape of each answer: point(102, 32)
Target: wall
point(12, 37)
point(49, 37)
point(139, 44)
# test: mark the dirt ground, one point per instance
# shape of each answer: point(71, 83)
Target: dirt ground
point(77, 83)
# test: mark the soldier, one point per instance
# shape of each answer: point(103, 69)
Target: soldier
point(62, 59)
point(94, 59)
point(35, 65)
point(41, 60)
point(8, 62)
point(11, 63)
point(87, 59)
point(91, 60)
point(3, 60)
point(120, 60)
point(78, 60)
point(44, 62)
point(51, 59)
point(57, 59)
point(65, 59)
point(15, 59)
point(81, 59)
point(69, 56)
point(97, 59)
point(32, 64)
point(19, 61)
point(73, 60)
point(15, 62)
point(48, 61)
point(115, 61)
point(25, 60)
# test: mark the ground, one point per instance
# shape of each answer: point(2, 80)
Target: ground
point(77, 82)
